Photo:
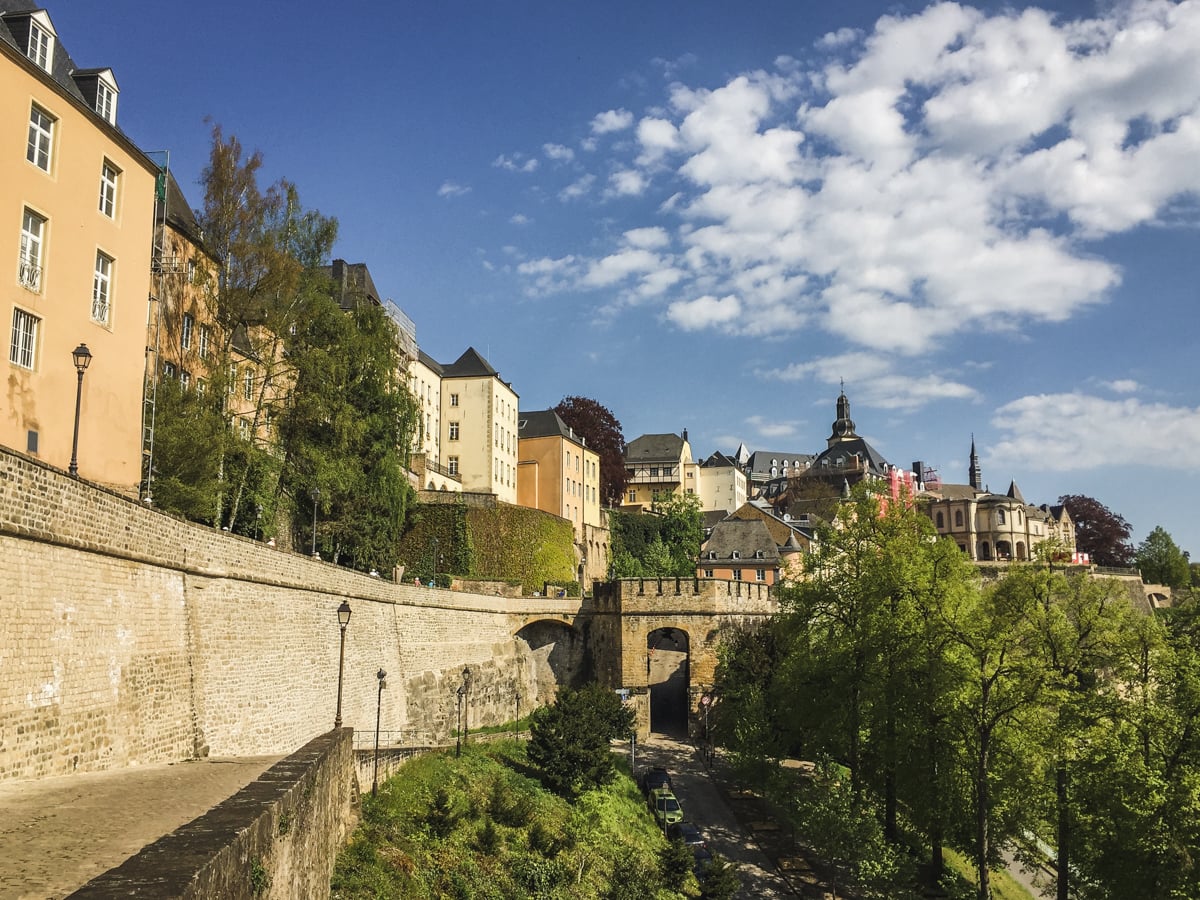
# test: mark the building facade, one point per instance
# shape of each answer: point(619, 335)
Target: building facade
point(78, 203)
point(479, 427)
point(658, 466)
point(722, 484)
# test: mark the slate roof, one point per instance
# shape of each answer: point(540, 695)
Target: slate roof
point(720, 461)
point(845, 449)
point(469, 365)
point(654, 447)
point(429, 362)
point(179, 214)
point(748, 537)
point(546, 423)
point(782, 532)
point(760, 460)
point(352, 283)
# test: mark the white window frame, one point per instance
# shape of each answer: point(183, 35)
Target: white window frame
point(102, 288)
point(452, 465)
point(186, 330)
point(248, 383)
point(453, 431)
point(205, 335)
point(29, 261)
point(40, 148)
point(109, 174)
point(760, 574)
point(185, 378)
point(22, 350)
point(106, 102)
point(40, 48)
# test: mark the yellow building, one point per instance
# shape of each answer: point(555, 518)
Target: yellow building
point(479, 427)
point(77, 207)
point(658, 466)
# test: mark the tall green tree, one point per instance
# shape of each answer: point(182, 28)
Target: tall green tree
point(1161, 561)
point(348, 418)
point(569, 739)
point(662, 543)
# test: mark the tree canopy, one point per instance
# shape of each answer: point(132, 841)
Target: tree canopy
point(1162, 562)
point(569, 740)
point(602, 430)
point(664, 542)
point(1099, 532)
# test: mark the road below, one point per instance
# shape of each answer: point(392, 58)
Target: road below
point(704, 805)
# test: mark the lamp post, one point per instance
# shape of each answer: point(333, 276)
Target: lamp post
point(315, 494)
point(434, 565)
point(382, 676)
point(343, 615)
point(517, 721)
point(82, 357)
point(582, 575)
point(462, 695)
point(257, 519)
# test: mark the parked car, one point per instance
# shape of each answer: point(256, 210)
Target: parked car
point(656, 778)
point(686, 832)
point(666, 807)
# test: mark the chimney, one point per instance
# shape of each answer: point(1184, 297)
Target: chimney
point(685, 434)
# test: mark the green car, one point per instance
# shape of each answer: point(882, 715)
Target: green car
point(666, 808)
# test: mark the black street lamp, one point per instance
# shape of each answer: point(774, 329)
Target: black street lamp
point(517, 721)
point(462, 694)
point(257, 519)
point(83, 358)
point(343, 615)
point(382, 676)
point(315, 494)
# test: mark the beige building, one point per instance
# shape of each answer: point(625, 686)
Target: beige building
point(997, 527)
point(425, 383)
point(479, 426)
point(722, 484)
point(77, 204)
point(659, 465)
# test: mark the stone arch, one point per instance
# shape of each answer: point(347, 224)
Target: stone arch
point(985, 550)
point(554, 653)
point(668, 675)
point(1021, 551)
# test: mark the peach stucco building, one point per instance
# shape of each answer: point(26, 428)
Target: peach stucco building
point(76, 208)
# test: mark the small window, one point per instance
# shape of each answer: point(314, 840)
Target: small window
point(248, 383)
point(708, 573)
point(23, 348)
point(41, 138)
point(29, 263)
point(108, 189)
point(941, 520)
point(758, 554)
point(102, 289)
point(41, 46)
point(1000, 516)
point(106, 102)
point(654, 471)
point(201, 387)
point(454, 431)
point(191, 271)
point(205, 339)
point(169, 369)
point(633, 496)
point(452, 465)
point(233, 379)
point(737, 574)
point(760, 574)
point(958, 518)
point(185, 334)
point(185, 378)
point(244, 428)
point(712, 554)
point(735, 555)
point(454, 399)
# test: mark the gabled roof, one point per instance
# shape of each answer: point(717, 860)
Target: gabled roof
point(429, 362)
point(748, 537)
point(179, 214)
point(782, 531)
point(846, 448)
point(546, 423)
point(761, 460)
point(654, 447)
point(720, 461)
point(470, 365)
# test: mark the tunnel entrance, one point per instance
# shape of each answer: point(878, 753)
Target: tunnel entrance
point(667, 674)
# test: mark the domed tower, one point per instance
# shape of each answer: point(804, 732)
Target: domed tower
point(843, 427)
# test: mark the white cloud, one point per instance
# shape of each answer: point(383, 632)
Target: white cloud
point(627, 183)
point(945, 175)
point(518, 162)
point(704, 312)
point(612, 120)
point(839, 38)
point(558, 152)
point(647, 238)
point(577, 189)
point(453, 189)
point(520, 219)
point(1072, 432)
point(1123, 386)
point(619, 266)
point(874, 380)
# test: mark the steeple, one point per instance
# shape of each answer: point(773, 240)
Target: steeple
point(976, 474)
point(843, 427)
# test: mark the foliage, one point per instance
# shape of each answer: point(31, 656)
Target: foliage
point(720, 879)
point(603, 433)
point(349, 414)
point(569, 740)
point(1162, 562)
point(665, 542)
point(1099, 532)
point(526, 545)
point(601, 845)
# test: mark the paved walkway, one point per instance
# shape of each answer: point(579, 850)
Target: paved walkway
point(57, 834)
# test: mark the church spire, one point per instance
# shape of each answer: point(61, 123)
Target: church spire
point(976, 474)
point(843, 427)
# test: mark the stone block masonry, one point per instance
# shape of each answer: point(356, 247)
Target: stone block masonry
point(129, 637)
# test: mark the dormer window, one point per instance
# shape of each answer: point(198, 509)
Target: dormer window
point(758, 554)
point(106, 102)
point(41, 44)
point(735, 555)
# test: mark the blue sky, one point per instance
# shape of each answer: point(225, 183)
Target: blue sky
point(706, 215)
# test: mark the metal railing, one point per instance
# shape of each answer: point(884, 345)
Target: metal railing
point(29, 274)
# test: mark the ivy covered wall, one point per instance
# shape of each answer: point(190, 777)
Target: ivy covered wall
point(509, 543)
